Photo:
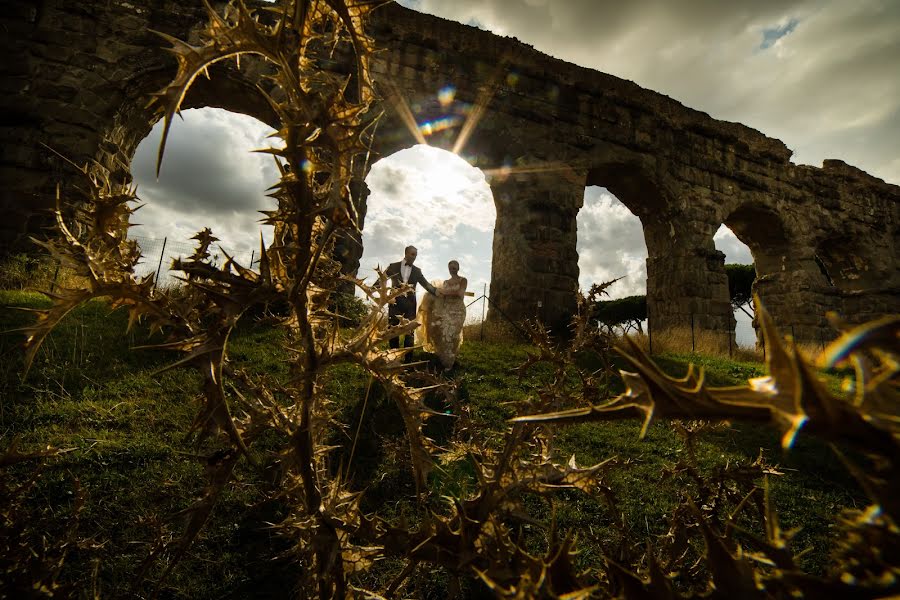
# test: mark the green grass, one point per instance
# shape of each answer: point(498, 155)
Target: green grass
point(124, 427)
point(814, 487)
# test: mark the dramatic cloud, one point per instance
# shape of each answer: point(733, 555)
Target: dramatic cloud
point(735, 250)
point(819, 75)
point(610, 245)
point(209, 178)
point(435, 201)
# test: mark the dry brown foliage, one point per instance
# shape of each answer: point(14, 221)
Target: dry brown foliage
point(31, 561)
point(326, 121)
point(791, 398)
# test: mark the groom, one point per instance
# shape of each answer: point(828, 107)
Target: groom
point(405, 306)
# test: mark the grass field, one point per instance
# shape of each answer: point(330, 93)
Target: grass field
point(123, 429)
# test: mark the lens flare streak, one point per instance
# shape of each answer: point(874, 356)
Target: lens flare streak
point(399, 104)
point(481, 104)
point(432, 127)
point(446, 95)
point(569, 172)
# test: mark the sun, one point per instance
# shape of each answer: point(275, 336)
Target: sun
point(443, 172)
point(436, 201)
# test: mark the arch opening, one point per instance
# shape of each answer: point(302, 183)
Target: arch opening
point(436, 201)
point(228, 88)
point(610, 244)
point(631, 209)
point(737, 253)
point(755, 234)
point(209, 177)
point(630, 186)
point(763, 233)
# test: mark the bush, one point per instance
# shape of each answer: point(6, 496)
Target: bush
point(740, 284)
point(20, 271)
point(350, 308)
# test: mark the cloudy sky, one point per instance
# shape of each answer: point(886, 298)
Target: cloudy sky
point(819, 75)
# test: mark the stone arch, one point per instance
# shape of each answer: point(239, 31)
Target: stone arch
point(210, 177)
point(790, 281)
point(86, 100)
point(607, 210)
point(448, 203)
point(763, 231)
point(130, 119)
point(686, 282)
point(633, 184)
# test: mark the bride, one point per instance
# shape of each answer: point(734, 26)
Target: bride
point(442, 317)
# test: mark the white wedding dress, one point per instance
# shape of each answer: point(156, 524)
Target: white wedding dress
point(441, 321)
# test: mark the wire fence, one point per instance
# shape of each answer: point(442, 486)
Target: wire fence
point(159, 253)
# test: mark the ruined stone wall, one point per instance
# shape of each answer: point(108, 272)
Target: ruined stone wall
point(822, 239)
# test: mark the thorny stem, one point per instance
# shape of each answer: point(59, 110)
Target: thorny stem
point(514, 438)
point(328, 553)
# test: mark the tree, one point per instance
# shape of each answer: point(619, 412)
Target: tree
point(740, 286)
point(623, 312)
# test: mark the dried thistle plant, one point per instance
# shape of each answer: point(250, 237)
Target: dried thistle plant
point(324, 125)
point(31, 564)
point(791, 399)
point(326, 121)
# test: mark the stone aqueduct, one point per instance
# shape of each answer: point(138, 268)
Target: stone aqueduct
point(78, 75)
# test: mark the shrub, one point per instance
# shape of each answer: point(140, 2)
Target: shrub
point(740, 285)
point(350, 308)
point(20, 271)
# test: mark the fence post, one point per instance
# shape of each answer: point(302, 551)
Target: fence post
point(692, 334)
point(793, 336)
point(483, 306)
point(252, 255)
point(55, 275)
point(161, 254)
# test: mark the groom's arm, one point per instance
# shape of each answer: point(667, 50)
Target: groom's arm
point(424, 283)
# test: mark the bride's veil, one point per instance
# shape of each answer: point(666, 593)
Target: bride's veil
point(424, 317)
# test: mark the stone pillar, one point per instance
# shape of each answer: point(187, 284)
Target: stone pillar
point(686, 283)
point(797, 295)
point(534, 274)
point(348, 245)
point(862, 267)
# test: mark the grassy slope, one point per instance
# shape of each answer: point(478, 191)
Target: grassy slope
point(812, 490)
point(125, 429)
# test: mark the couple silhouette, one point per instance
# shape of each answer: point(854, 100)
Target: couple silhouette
point(441, 315)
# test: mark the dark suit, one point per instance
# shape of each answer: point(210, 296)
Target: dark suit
point(405, 306)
